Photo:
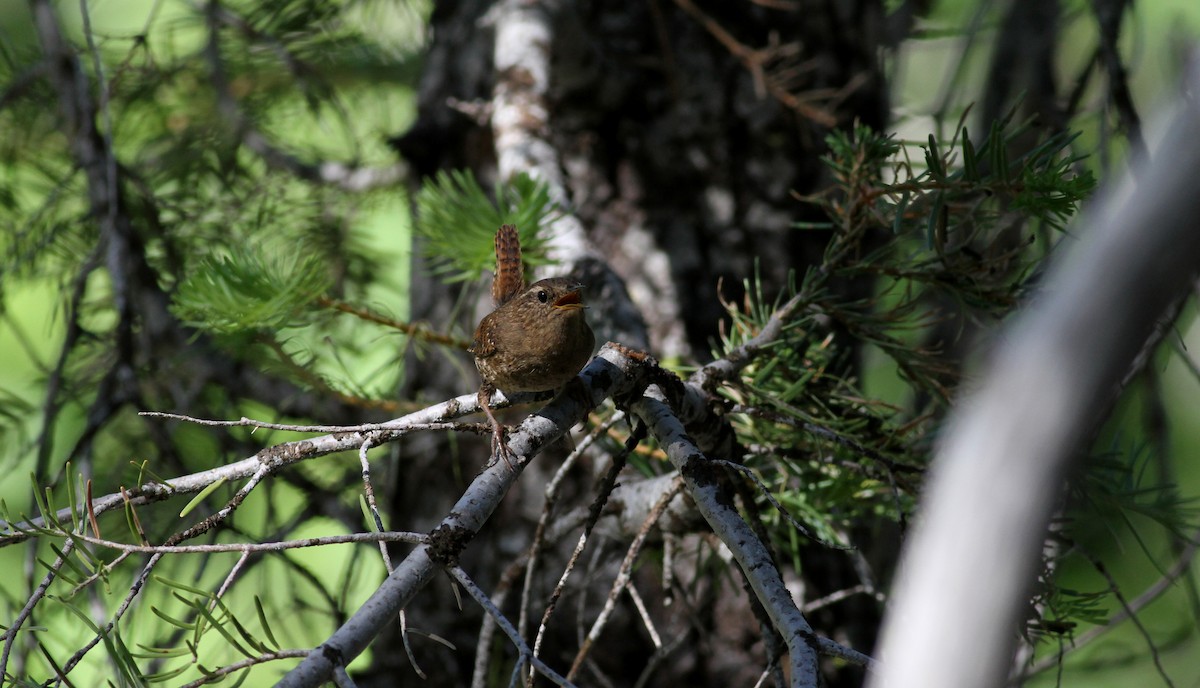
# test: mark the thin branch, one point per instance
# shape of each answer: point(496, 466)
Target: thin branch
point(415, 330)
point(389, 426)
point(244, 664)
point(558, 529)
point(550, 500)
point(605, 487)
point(369, 492)
point(386, 536)
point(836, 596)
point(751, 554)
point(661, 654)
point(754, 60)
point(277, 457)
point(121, 609)
point(511, 631)
point(1132, 616)
point(14, 627)
point(623, 575)
point(644, 614)
point(229, 579)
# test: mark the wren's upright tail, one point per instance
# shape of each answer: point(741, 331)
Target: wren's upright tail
point(510, 270)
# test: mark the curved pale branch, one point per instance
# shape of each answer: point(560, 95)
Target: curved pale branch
point(971, 560)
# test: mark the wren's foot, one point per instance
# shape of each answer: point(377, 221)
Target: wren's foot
point(499, 444)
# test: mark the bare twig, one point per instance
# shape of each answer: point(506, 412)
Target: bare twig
point(551, 499)
point(244, 664)
point(755, 61)
point(1131, 614)
point(751, 554)
point(510, 630)
point(416, 330)
point(233, 573)
point(834, 597)
point(558, 529)
point(623, 575)
point(389, 426)
point(604, 490)
point(387, 536)
point(369, 492)
point(275, 457)
point(644, 613)
point(14, 627)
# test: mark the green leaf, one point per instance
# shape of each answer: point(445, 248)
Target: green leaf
point(200, 497)
point(933, 159)
point(183, 586)
point(934, 226)
point(368, 517)
point(898, 220)
point(262, 621)
point(150, 652)
point(970, 158)
point(178, 623)
point(70, 580)
point(164, 676)
point(69, 561)
point(87, 621)
point(71, 497)
point(212, 620)
point(253, 642)
point(45, 503)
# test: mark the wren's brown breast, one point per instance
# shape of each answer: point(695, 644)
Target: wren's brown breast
point(537, 341)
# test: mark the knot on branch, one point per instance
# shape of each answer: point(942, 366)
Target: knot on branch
point(643, 372)
point(446, 542)
point(333, 655)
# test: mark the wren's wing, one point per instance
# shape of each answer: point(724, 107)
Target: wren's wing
point(510, 271)
point(484, 344)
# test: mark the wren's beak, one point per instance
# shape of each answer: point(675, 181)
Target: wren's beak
point(570, 300)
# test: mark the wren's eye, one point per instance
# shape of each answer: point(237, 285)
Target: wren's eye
point(543, 295)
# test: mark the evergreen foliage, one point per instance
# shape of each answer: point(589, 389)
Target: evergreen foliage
point(458, 220)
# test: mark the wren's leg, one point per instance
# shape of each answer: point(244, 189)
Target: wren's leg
point(499, 445)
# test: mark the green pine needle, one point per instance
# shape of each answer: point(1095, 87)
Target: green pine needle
point(458, 221)
point(244, 291)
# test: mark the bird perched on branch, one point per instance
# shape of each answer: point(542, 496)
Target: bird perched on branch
point(536, 339)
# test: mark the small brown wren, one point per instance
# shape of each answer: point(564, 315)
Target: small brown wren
point(536, 339)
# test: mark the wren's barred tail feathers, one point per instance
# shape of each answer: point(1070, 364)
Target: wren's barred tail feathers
point(510, 271)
